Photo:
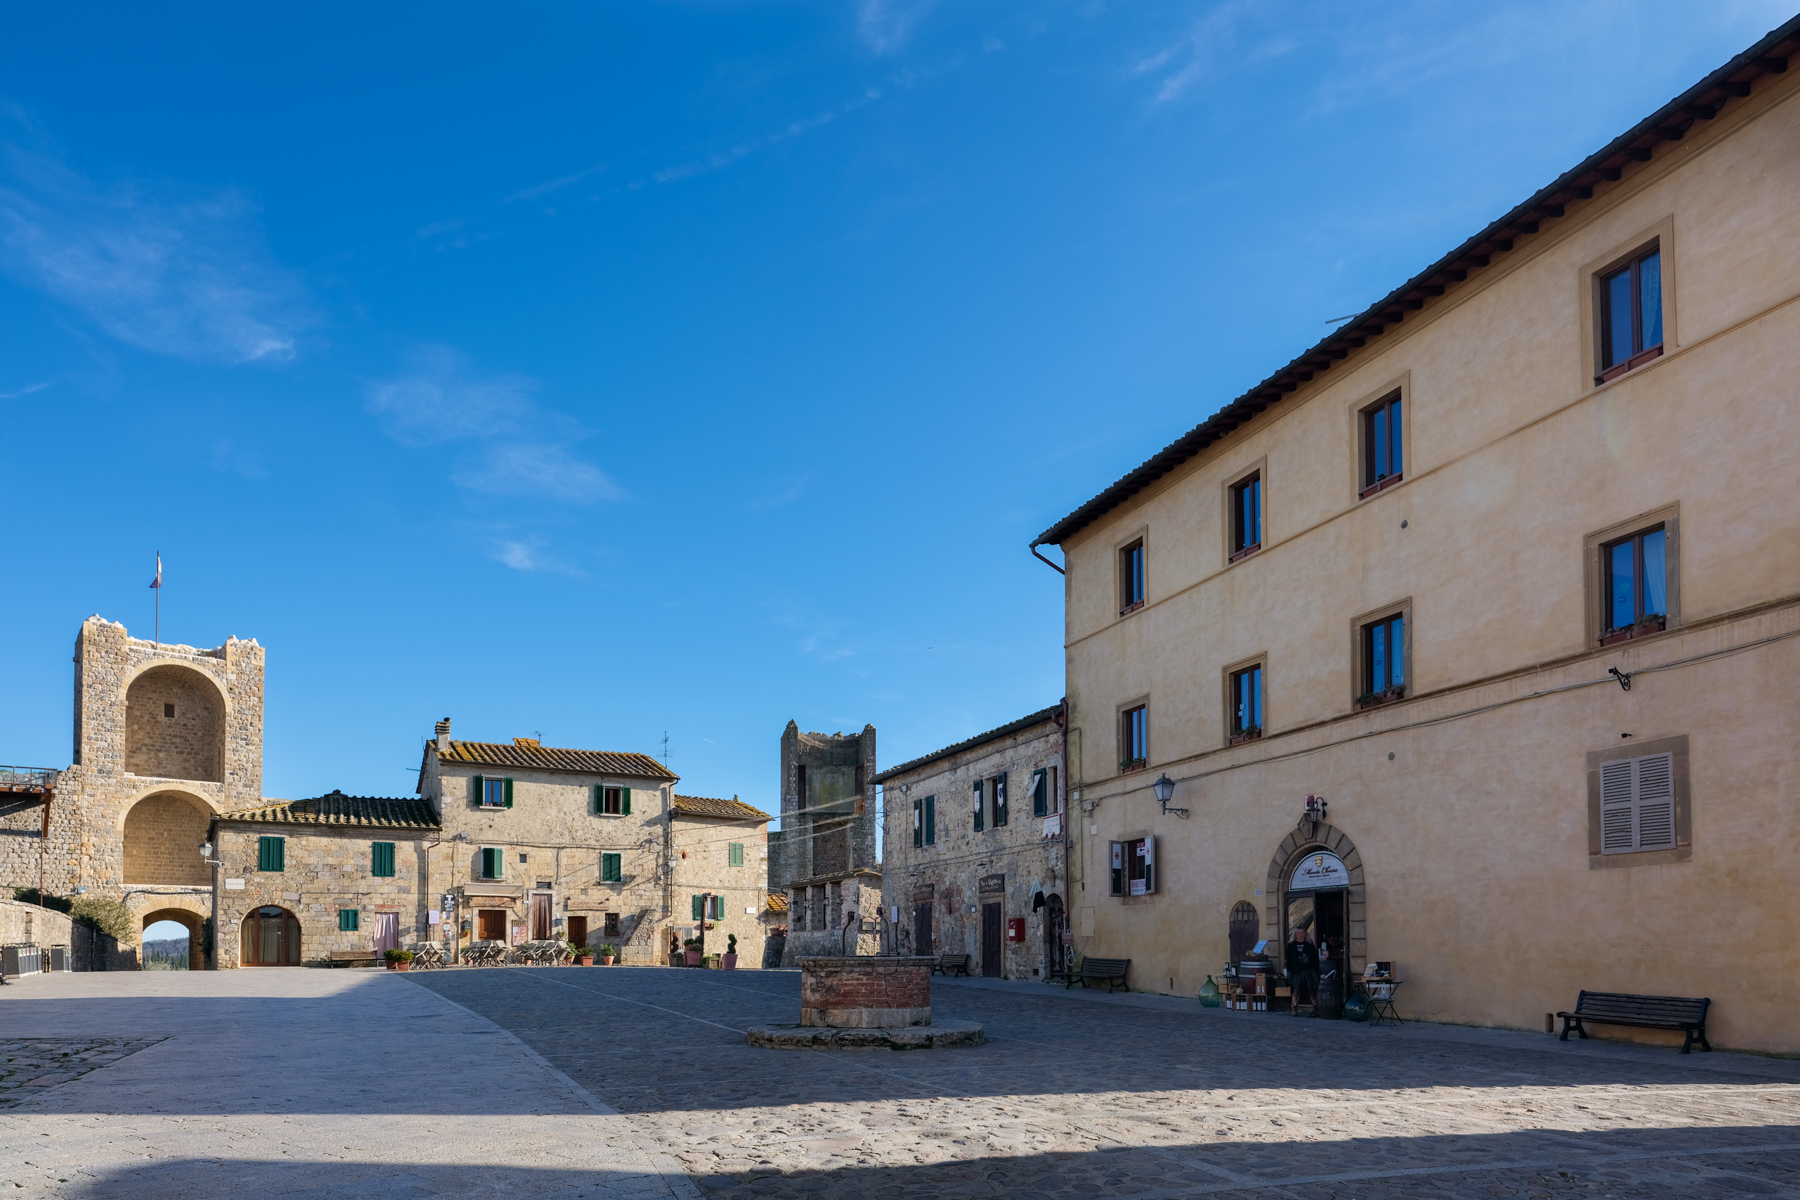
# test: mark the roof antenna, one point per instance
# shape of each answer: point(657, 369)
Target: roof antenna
point(665, 748)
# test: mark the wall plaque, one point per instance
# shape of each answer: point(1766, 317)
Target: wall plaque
point(1320, 869)
point(991, 883)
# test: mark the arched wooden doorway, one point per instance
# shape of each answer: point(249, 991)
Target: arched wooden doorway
point(1243, 930)
point(271, 938)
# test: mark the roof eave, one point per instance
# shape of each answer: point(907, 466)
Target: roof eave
point(1671, 122)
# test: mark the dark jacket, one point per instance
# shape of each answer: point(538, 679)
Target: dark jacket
point(1301, 956)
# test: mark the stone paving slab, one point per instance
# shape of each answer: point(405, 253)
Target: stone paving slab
point(303, 1083)
point(1145, 1097)
point(29, 1065)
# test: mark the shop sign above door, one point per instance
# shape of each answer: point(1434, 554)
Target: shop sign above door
point(1320, 869)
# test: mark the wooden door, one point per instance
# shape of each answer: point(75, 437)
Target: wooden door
point(271, 938)
point(993, 933)
point(540, 916)
point(1243, 930)
point(922, 928)
point(578, 934)
point(492, 925)
point(1055, 962)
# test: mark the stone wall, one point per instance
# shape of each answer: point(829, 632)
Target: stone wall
point(163, 834)
point(818, 910)
point(964, 868)
point(174, 725)
point(325, 871)
point(703, 864)
point(865, 993)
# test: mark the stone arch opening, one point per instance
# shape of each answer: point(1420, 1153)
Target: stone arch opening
point(175, 725)
point(193, 922)
point(271, 938)
point(163, 832)
point(1343, 904)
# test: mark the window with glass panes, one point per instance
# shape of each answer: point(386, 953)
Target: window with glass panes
point(1134, 737)
point(1384, 457)
point(1246, 516)
point(1631, 318)
point(1384, 656)
point(1634, 580)
point(1131, 577)
point(1247, 702)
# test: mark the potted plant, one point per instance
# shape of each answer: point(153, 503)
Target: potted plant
point(731, 952)
point(608, 954)
point(583, 955)
point(1132, 764)
point(691, 951)
point(1384, 696)
point(399, 960)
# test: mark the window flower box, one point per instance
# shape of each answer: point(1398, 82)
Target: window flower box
point(1381, 485)
point(1246, 552)
point(1652, 623)
point(1377, 699)
point(1247, 735)
point(1127, 765)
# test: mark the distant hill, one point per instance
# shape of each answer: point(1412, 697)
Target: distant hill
point(166, 954)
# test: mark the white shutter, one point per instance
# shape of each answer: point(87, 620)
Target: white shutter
point(1656, 802)
point(1616, 795)
point(1117, 887)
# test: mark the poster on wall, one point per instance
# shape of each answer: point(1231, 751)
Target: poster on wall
point(1320, 869)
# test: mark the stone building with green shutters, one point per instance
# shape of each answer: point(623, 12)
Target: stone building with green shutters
point(543, 841)
point(301, 880)
point(721, 852)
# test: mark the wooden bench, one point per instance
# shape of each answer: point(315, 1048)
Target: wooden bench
point(352, 958)
point(947, 963)
point(1680, 1013)
point(1111, 970)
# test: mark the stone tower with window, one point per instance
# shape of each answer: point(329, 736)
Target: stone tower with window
point(165, 736)
point(827, 806)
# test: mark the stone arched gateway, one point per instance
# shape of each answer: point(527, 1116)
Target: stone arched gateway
point(162, 836)
point(175, 725)
point(193, 922)
point(1303, 841)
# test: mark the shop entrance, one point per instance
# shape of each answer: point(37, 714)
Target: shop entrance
point(491, 924)
point(922, 927)
point(1322, 914)
point(992, 933)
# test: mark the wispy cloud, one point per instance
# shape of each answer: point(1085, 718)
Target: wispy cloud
point(887, 25)
point(234, 459)
point(529, 556)
point(508, 444)
point(28, 389)
point(174, 270)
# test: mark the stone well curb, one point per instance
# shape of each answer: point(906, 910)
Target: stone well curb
point(941, 1035)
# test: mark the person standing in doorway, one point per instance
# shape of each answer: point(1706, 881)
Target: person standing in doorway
point(1302, 964)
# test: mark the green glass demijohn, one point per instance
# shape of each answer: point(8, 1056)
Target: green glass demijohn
point(1209, 994)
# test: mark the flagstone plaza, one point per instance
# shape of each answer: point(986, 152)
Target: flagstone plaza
point(636, 1082)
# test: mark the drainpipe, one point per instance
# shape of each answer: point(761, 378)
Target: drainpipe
point(1062, 720)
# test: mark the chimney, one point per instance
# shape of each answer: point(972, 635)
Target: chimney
point(443, 735)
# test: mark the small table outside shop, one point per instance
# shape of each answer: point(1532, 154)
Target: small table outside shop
point(1381, 1001)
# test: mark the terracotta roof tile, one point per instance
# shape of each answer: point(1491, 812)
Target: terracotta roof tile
point(339, 810)
point(777, 902)
point(706, 806)
point(527, 754)
point(1036, 718)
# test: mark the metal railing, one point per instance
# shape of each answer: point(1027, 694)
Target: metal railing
point(27, 779)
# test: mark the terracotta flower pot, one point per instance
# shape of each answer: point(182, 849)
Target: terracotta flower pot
point(731, 962)
point(587, 960)
point(692, 957)
point(606, 960)
point(392, 965)
point(403, 966)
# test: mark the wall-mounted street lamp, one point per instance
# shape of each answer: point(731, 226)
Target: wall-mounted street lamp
point(1164, 788)
point(1314, 815)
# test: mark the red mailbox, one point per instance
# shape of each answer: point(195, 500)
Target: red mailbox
point(1015, 929)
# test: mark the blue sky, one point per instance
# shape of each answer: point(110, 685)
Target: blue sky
point(605, 370)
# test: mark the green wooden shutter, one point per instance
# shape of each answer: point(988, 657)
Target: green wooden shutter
point(381, 858)
point(597, 796)
point(625, 801)
point(1040, 793)
point(718, 906)
point(610, 871)
point(509, 791)
point(480, 796)
point(931, 820)
point(735, 853)
point(271, 854)
point(699, 913)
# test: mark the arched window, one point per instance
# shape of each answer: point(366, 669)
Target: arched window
point(271, 938)
point(1244, 925)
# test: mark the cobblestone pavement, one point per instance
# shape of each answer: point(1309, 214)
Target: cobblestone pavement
point(29, 1065)
point(1144, 1097)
